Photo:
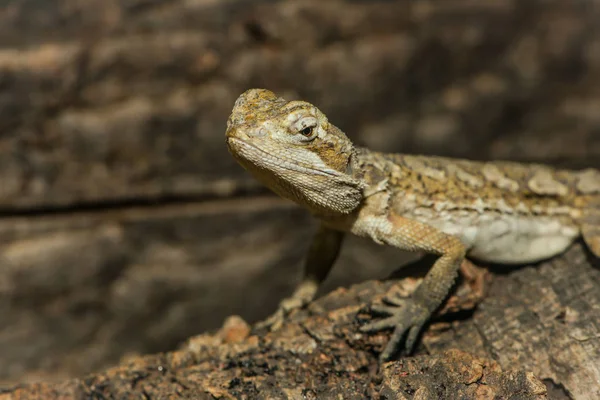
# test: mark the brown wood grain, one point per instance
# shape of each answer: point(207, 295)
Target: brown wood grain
point(533, 336)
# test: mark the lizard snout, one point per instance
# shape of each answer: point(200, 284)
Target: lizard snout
point(238, 133)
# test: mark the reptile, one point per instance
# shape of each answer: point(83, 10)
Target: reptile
point(498, 211)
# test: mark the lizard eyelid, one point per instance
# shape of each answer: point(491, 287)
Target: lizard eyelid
point(306, 127)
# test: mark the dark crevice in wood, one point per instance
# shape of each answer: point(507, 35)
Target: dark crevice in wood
point(127, 203)
point(556, 391)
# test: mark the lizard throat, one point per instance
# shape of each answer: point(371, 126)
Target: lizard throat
point(323, 190)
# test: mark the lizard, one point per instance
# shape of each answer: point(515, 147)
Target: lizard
point(497, 211)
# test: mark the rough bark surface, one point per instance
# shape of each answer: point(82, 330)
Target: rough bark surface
point(523, 333)
point(112, 155)
point(82, 290)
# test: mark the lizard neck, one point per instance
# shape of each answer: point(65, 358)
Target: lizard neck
point(372, 169)
point(336, 194)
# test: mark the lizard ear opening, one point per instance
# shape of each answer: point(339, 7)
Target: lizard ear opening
point(349, 166)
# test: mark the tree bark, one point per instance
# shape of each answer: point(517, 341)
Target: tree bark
point(534, 336)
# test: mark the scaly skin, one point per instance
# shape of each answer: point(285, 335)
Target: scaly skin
point(495, 211)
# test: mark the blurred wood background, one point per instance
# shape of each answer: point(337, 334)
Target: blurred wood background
point(126, 227)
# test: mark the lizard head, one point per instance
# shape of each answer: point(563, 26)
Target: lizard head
point(293, 149)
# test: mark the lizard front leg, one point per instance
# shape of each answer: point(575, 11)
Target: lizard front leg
point(408, 315)
point(322, 253)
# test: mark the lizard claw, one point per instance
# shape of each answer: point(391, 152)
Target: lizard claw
point(407, 316)
point(275, 321)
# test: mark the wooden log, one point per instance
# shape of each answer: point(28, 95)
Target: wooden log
point(79, 290)
point(534, 335)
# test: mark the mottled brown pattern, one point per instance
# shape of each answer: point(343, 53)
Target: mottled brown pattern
point(506, 187)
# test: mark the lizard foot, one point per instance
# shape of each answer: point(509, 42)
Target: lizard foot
point(406, 315)
point(297, 301)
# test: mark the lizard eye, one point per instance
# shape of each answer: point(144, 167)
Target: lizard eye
point(308, 131)
point(306, 127)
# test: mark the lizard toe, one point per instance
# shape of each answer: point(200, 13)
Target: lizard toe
point(273, 322)
point(394, 299)
point(407, 319)
point(379, 325)
point(382, 309)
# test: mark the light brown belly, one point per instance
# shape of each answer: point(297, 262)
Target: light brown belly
point(509, 238)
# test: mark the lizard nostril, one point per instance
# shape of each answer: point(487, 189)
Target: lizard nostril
point(230, 132)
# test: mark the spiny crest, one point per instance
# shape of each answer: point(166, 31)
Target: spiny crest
point(255, 105)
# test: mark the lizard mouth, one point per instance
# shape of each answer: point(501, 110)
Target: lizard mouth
point(257, 156)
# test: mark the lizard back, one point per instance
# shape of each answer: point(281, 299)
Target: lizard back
point(533, 210)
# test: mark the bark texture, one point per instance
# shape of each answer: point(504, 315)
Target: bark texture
point(542, 349)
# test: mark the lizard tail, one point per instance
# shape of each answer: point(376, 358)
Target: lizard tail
point(590, 226)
